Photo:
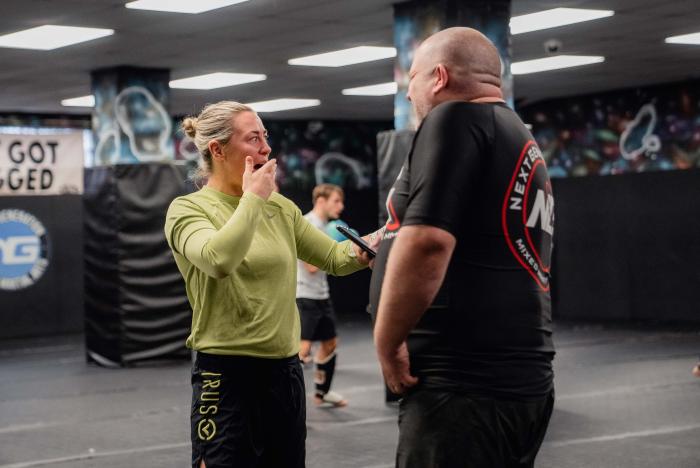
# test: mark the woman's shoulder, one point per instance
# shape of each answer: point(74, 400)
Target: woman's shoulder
point(283, 202)
point(198, 201)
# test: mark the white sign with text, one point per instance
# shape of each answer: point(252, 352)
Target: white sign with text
point(41, 164)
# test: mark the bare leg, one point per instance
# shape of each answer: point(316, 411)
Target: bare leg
point(326, 349)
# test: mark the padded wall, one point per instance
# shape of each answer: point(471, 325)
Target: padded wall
point(54, 303)
point(627, 247)
point(135, 302)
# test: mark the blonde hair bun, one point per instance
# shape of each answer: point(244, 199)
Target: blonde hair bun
point(189, 126)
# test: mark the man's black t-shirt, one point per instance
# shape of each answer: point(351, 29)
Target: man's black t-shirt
point(475, 171)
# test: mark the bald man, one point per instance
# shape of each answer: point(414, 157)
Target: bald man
point(460, 285)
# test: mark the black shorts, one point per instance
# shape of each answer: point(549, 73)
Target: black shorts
point(446, 429)
point(248, 412)
point(317, 319)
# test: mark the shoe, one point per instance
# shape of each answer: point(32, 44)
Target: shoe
point(335, 400)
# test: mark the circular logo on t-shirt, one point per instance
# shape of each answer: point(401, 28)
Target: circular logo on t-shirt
point(528, 215)
point(23, 249)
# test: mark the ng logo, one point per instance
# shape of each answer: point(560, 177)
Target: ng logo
point(23, 249)
point(527, 216)
point(542, 210)
point(19, 250)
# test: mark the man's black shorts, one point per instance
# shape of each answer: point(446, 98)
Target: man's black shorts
point(248, 412)
point(317, 319)
point(447, 429)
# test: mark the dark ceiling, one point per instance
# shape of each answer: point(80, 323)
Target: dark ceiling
point(259, 36)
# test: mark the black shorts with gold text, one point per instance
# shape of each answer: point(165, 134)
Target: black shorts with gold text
point(248, 412)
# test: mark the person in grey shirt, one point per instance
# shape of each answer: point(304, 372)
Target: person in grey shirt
point(314, 303)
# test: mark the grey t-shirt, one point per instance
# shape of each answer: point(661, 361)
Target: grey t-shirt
point(312, 285)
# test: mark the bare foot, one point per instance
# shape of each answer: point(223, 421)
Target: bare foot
point(696, 370)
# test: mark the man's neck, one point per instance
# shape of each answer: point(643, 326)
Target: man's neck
point(485, 92)
point(320, 214)
point(488, 99)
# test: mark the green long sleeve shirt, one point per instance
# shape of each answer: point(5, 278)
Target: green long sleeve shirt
point(238, 258)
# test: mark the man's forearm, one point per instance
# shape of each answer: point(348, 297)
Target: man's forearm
point(414, 273)
point(372, 236)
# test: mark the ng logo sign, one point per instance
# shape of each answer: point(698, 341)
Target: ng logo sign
point(19, 250)
point(527, 216)
point(23, 249)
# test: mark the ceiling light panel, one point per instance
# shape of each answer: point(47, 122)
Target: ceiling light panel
point(383, 89)
point(216, 80)
point(82, 101)
point(49, 37)
point(182, 6)
point(341, 58)
point(553, 63)
point(554, 18)
point(276, 105)
point(692, 39)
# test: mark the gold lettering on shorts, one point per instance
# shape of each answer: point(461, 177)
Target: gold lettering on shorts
point(206, 428)
point(211, 383)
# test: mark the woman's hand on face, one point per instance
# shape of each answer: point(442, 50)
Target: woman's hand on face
point(262, 181)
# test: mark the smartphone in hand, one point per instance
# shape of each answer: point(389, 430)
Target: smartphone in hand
point(357, 240)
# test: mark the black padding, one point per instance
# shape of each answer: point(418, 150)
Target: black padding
point(135, 302)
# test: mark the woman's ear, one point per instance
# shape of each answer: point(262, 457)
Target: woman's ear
point(216, 150)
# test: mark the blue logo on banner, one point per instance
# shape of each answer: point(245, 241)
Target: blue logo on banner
point(23, 249)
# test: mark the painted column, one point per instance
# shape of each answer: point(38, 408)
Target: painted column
point(131, 120)
point(417, 19)
point(126, 198)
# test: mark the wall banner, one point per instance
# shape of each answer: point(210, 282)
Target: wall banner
point(41, 164)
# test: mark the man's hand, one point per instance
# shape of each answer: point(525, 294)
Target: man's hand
point(415, 271)
point(262, 181)
point(396, 368)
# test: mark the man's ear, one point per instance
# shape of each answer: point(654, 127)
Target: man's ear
point(442, 77)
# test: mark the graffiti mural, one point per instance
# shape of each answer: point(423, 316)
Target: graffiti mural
point(644, 129)
point(314, 152)
point(131, 123)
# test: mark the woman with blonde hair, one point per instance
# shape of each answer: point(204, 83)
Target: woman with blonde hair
point(236, 242)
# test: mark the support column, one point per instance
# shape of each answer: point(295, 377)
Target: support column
point(415, 20)
point(136, 306)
